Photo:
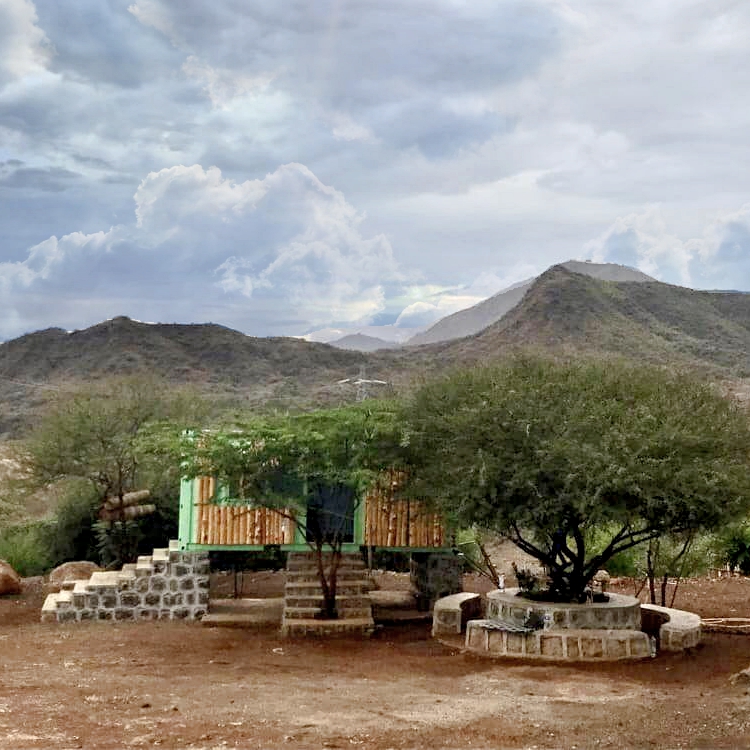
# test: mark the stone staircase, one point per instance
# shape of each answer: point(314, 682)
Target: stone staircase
point(168, 585)
point(303, 598)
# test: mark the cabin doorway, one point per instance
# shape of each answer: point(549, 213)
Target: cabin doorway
point(330, 514)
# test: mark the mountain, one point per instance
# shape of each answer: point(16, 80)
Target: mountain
point(361, 343)
point(561, 312)
point(221, 361)
point(651, 321)
point(476, 318)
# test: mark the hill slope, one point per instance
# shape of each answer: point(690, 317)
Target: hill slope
point(219, 360)
point(476, 318)
point(649, 321)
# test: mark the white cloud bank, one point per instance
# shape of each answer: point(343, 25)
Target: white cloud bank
point(286, 241)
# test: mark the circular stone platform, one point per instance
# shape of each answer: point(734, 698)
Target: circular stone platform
point(619, 613)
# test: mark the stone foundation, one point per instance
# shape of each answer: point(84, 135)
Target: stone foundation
point(619, 613)
point(168, 585)
point(558, 645)
point(434, 575)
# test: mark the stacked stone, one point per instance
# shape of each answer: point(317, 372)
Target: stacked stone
point(168, 585)
point(435, 575)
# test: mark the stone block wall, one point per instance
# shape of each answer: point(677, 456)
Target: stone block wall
point(168, 585)
point(435, 575)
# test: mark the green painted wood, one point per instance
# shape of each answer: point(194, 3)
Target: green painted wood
point(187, 509)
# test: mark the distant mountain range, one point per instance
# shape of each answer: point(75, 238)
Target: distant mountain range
point(476, 318)
point(561, 311)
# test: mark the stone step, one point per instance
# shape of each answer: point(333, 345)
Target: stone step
point(160, 555)
point(309, 613)
point(355, 626)
point(313, 577)
point(313, 589)
point(341, 601)
point(103, 579)
point(312, 564)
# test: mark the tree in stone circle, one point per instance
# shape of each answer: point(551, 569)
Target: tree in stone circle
point(548, 452)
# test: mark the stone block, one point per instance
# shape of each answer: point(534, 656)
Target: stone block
point(202, 597)
point(105, 614)
point(532, 644)
point(591, 648)
point(152, 599)
point(141, 584)
point(187, 584)
point(202, 568)
point(160, 567)
point(108, 600)
point(180, 570)
point(189, 598)
point(123, 613)
point(475, 637)
point(86, 614)
point(92, 601)
point(165, 614)
point(571, 642)
point(640, 647)
point(202, 582)
point(552, 645)
point(174, 584)
point(516, 643)
point(158, 583)
point(146, 613)
point(495, 642)
point(198, 613)
point(129, 599)
point(180, 613)
point(617, 648)
point(79, 600)
point(66, 615)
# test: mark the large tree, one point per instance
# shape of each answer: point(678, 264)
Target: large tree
point(546, 452)
point(102, 435)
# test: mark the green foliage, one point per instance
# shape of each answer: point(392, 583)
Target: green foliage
point(545, 452)
point(275, 459)
point(26, 547)
point(112, 439)
point(732, 547)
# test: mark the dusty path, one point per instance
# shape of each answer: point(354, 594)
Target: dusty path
point(178, 685)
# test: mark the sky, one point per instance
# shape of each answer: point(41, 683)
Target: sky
point(292, 168)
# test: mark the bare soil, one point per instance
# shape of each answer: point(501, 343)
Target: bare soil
point(181, 685)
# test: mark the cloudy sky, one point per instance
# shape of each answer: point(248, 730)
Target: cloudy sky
point(286, 167)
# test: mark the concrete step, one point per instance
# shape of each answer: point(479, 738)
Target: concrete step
point(343, 588)
point(160, 555)
point(342, 600)
point(356, 626)
point(310, 613)
point(103, 579)
point(313, 577)
point(244, 613)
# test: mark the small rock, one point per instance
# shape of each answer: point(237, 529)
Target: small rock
point(10, 581)
point(741, 678)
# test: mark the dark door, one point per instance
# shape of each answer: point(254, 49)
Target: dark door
point(330, 514)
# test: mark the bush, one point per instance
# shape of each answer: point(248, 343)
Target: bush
point(26, 547)
point(732, 547)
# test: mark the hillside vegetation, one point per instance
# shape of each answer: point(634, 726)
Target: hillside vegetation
point(562, 311)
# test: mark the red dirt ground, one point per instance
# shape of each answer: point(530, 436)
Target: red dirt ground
point(181, 685)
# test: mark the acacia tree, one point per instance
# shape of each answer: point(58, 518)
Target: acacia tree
point(100, 435)
point(546, 452)
point(284, 462)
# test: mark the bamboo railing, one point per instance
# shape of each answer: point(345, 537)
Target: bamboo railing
point(390, 522)
point(224, 524)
